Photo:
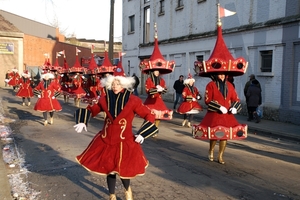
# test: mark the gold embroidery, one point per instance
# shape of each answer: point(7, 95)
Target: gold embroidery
point(124, 123)
point(108, 122)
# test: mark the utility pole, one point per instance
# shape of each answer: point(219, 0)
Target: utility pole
point(111, 32)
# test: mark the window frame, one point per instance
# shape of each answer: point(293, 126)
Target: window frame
point(266, 58)
point(131, 24)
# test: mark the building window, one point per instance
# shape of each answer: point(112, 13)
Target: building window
point(131, 24)
point(200, 58)
point(200, 1)
point(162, 7)
point(147, 25)
point(266, 61)
point(146, 1)
point(179, 3)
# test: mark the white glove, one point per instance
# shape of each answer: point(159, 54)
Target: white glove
point(61, 75)
point(20, 83)
point(66, 86)
point(194, 99)
point(53, 97)
point(198, 97)
point(88, 94)
point(233, 110)
point(79, 127)
point(223, 109)
point(160, 89)
point(139, 139)
point(39, 96)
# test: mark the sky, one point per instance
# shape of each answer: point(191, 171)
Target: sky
point(88, 19)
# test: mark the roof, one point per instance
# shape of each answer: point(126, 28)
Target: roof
point(6, 26)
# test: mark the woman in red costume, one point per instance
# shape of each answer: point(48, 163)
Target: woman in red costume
point(223, 103)
point(221, 98)
point(77, 91)
point(13, 78)
point(190, 105)
point(47, 91)
point(25, 89)
point(155, 87)
point(115, 150)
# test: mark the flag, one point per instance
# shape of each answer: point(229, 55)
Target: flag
point(225, 13)
point(62, 52)
point(46, 55)
point(57, 54)
point(104, 45)
point(77, 50)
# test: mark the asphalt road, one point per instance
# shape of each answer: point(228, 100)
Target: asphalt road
point(259, 167)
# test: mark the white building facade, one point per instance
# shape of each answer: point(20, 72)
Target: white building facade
point(266, 33)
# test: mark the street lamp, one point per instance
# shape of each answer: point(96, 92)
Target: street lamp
point(111, 32)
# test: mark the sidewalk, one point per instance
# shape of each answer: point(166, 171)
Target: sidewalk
point(266, 127)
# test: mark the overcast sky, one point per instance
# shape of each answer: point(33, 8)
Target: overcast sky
point(87, 19)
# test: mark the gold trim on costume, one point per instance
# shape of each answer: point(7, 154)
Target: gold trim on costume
point(106, 125)
point(124, 123)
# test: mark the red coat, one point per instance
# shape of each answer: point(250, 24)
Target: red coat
point(154, 100)
point(25, 89)
point(13, 78)
point(113, 149)
point(77, 90)
point(188, 104)
point(47, 102)
point(93, 90)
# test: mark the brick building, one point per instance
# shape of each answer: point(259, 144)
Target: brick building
point(24, 43)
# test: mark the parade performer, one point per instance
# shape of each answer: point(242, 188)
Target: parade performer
point(190, 105)
point(77, 91)
point(155, 85)
point(93, 84)
point(116, 150)
point(66, 79)
point(221, 98)
point(47, 92)
point(25, 89)
point(13, 78)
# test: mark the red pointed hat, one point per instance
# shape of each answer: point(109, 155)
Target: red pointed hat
point(156, 61)
point(106, 66)
point(221, 60)
point(76, 68)
point(56, 66)
point(47, 65)
point(119, 71)
point(93, 67)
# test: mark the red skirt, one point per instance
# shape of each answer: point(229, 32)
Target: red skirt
point(24, 92)
point(188, 106)
point(126, 158)
point(47, 105)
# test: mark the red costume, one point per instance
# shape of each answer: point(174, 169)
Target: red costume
point(47, 92)
point(155, 85)
point(219, 122)
point(154, 100)
point(190, 96)
point(25, 89)
point(77, 90)
point(14, 78)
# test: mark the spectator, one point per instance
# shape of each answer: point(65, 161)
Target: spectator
point(137, 82)
point(178, 86)
point(254, 100)
point(252, 77)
